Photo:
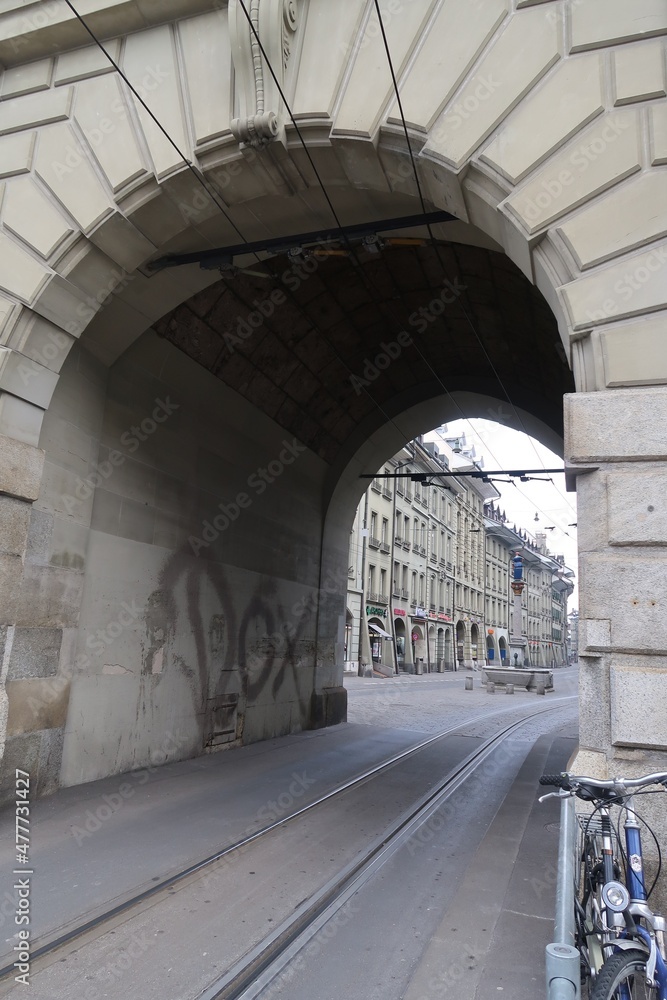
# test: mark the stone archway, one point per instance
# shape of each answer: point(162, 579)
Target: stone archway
point(94, 192)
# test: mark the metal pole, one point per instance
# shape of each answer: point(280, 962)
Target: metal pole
point(363, 626)
point(391, 576)
point(391, 571)
point(562, 958)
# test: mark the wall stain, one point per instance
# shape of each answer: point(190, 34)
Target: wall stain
point(262, 654)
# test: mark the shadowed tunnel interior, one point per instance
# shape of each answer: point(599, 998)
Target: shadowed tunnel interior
point(301, 345)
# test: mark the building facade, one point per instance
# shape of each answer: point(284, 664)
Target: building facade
point(428, 573)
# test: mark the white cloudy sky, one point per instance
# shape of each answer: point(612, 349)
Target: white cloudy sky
point(503, 448)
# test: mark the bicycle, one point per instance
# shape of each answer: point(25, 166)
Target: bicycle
point(620, 939)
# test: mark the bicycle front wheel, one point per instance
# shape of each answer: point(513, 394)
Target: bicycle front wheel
point(623, 977)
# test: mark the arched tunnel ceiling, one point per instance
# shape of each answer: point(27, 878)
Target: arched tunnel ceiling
point(293, 355)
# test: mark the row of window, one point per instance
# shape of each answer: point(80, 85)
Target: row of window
point(417, 533)
point(420, 588)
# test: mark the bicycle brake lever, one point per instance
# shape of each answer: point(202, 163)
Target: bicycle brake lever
point(553, 795)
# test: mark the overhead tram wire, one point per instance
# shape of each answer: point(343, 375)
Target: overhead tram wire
point(356, 266)
point(514, 483)
point(210, 191)
point(193, 169)
point(435, 246)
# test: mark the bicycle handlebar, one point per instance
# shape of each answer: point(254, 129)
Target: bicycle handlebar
point(559, 780)
point(578, 782)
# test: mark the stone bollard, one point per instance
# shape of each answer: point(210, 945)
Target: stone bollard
point(490, 687)
point(468, 684)
point(541, 687)
point(509, 689)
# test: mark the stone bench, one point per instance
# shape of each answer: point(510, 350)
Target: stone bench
point(523, 677)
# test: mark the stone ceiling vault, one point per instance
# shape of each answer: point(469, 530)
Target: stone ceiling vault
point(291, 344)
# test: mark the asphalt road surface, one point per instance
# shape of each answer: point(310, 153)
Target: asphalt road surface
point(460, 907)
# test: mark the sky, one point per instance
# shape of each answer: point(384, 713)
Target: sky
point(503, 448)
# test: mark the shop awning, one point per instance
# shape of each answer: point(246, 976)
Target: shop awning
point(380, 631)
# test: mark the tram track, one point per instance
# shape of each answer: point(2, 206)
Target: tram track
point(255, 972)
point(254, 964)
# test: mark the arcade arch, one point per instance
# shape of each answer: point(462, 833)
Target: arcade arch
point(140, 448)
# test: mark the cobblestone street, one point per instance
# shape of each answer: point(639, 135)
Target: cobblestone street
point(429, 703)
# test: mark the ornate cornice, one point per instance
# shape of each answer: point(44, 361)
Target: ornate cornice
point(275, 22)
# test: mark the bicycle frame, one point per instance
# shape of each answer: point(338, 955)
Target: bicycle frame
point(638, 908)
point(605, 917)
point(656, 967)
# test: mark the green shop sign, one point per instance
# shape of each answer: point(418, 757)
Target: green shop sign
point(382, 612)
